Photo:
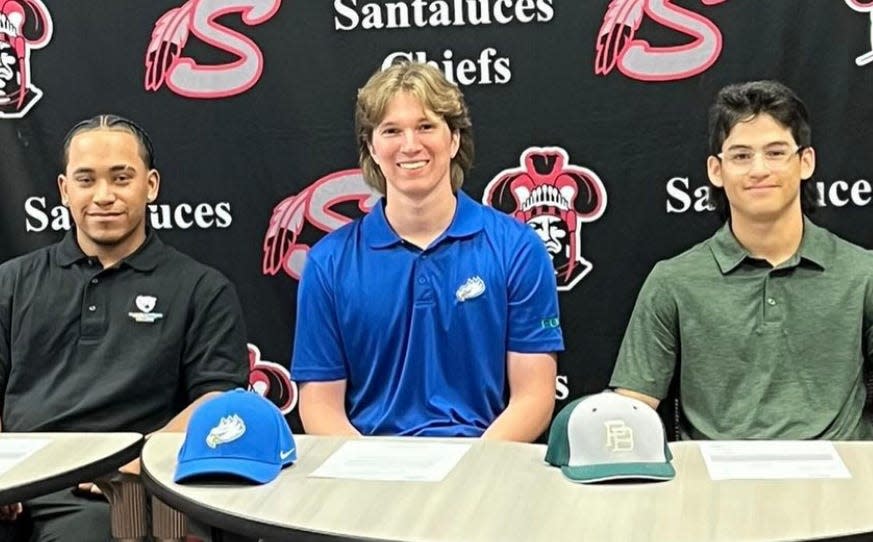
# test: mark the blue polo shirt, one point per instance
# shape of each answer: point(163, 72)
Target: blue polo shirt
point(421, 336)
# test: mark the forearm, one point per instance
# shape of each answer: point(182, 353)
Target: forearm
point(647, 399)
point(179, 422)
point(328, 423)
point(524, 420)
point(322, 409)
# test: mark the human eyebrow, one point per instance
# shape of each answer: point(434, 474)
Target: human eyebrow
point(777, 144)
point(122, 168)
point(388, 127)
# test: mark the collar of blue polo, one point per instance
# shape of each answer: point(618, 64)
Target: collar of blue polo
point(814, 248)
point(467, 221)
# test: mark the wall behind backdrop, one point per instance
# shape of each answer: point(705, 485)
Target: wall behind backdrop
point(250, 105)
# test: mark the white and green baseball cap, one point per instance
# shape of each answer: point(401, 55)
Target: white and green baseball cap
point(607, 436)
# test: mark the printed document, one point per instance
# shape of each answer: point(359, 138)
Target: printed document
point(772, 460)
point(15, 450)
point(392, 460)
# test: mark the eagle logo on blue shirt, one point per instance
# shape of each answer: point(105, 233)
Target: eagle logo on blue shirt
point(474, 287)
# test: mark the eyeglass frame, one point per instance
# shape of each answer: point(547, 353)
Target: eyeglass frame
point(755, 153)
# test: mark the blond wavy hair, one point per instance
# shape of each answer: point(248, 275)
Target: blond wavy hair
point(435, 93)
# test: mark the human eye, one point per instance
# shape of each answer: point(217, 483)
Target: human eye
point(426, 126)
point(122, 178)
point(776, 154)
point(740, 156)
point(84, 179)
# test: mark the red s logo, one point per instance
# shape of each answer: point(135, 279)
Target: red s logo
point(183, 75)
point(315, 208)
point(637, 59)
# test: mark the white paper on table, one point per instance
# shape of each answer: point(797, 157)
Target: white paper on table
point(15, 450)
point(392, 460)
point(772, 460)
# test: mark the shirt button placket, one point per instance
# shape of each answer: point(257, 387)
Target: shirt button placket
point(423, 293)
point(92, 316)
point(421, 267)
point(772, 304)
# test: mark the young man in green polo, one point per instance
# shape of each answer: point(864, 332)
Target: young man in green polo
point(768, 323)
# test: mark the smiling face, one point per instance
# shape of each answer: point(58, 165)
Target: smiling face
point(764, 191)
point(413, 148)
point(106, 186)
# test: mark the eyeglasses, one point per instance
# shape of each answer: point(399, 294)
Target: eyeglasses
point(775, 158)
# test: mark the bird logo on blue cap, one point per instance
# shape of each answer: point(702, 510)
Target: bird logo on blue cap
point(228, 429)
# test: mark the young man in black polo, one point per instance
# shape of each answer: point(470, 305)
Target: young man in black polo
point(771, 319)
point(109, 329)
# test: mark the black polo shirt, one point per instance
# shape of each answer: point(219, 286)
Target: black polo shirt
point(84, 348)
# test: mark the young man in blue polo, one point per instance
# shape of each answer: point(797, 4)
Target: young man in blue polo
point(432, 315)
point(109, 329)
point(770, 321)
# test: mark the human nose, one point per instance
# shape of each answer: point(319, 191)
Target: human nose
point(410, 142)
point(103, 193)
point(759, 164)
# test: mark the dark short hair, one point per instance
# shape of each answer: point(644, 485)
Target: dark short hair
point(744, 101)
point(435, 92)
point(110, 122)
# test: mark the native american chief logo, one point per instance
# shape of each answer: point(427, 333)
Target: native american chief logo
point(554, 198)
point(24, 25)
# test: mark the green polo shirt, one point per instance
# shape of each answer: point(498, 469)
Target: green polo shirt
point(766, 352)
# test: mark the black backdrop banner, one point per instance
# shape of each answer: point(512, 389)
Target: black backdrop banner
point(250, 104)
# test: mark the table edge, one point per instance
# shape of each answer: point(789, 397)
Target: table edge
point(69, 478)
point(232, 523)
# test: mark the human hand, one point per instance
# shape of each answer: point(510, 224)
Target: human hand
point(131, 468)
point(89, 489)
point(10, 512)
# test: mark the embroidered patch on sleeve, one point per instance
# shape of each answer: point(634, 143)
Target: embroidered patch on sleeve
point(550, 323)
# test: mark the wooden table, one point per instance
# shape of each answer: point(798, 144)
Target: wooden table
point(67, 459)
point(505, 492)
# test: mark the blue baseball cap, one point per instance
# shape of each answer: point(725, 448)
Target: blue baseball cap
point(237, 433)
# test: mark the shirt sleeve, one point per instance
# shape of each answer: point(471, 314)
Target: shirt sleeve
point(533, 319)
point(650, 348)
point(318, 352)
point(7, 287)
point(868, 324)
point(215, 357)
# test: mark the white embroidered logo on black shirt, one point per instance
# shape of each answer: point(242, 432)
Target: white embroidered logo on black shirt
point(145, 304)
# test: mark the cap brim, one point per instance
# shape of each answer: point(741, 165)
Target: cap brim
point(256, 471)
point(619, 471)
